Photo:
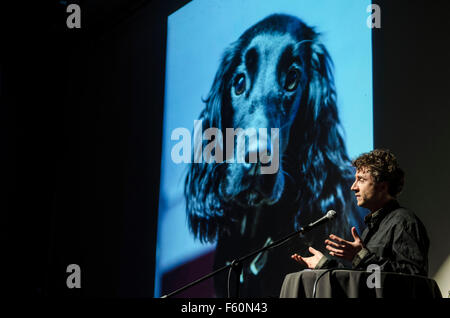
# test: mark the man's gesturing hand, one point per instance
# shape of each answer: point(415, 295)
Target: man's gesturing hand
point(311, 261)
point(344, 249)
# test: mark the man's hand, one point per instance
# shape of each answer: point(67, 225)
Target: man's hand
point(342, 248)
point(311, 261)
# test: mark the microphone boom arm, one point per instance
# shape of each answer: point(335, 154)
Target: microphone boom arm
point(236, 263)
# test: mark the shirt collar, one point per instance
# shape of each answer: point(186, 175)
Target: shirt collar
point(374, 218)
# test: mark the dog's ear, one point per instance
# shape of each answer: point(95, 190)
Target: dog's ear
point(322, 92)
point(326, 168)
point(324, 141)
point(204, 207)
point(218, 99)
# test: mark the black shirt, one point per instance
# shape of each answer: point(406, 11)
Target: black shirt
point(395, 239)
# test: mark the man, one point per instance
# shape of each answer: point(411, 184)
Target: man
point(395, 239)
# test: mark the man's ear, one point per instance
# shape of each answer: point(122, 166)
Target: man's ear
point(384, 187)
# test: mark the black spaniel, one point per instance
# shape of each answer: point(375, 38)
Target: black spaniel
point(276, 75)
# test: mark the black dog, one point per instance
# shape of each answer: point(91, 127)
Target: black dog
point(276, 75)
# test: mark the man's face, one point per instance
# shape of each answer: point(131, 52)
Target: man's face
point(368, 194)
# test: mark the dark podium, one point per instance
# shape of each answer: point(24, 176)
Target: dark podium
point(340, 283)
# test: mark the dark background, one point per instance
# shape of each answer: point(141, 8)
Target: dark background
point(81, 128)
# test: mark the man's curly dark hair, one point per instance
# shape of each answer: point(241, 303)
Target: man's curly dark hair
point(383, 166)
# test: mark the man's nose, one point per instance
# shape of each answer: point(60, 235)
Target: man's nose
point(354, 187)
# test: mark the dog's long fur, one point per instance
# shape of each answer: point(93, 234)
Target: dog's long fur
point(240, 210)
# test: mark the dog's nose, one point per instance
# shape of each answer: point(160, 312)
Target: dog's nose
point(255, 159)
point(265, 155)
point(251, 158)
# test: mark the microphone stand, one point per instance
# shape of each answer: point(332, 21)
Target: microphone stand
point(236, 264)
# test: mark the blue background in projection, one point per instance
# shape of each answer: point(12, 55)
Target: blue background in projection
point(197, 35)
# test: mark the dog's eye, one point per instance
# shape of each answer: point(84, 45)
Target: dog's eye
point(292, 79)
point(239, 84)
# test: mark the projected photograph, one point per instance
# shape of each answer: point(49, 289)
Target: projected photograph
point(266, 103)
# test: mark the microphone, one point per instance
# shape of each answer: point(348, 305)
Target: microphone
point(330, 214)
